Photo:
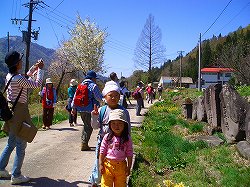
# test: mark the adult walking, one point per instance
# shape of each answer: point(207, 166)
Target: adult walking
point(150, 93)
point(94, 97)
point(139, 100)
point(159, 89)
point(48, 95)
point(71, 92)
point(21, 113)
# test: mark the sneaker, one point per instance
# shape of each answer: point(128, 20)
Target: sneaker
point(19, 180)
point(5, 174)
point(85, 147)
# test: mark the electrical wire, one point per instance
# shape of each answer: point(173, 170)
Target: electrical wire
point(62, 15)
point(54, 31)
point(57, 6)
point(217, 18)
point(241, 10)
point(61, 25)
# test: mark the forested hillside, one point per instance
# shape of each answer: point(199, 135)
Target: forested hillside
point(231, 51)
point(16, 43)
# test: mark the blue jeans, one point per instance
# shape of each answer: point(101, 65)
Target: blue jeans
point(95, 176)
point(20, 145)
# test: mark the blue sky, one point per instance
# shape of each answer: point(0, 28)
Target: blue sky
point(180, 21)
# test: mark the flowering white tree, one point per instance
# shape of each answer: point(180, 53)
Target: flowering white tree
point(82, 52)
point(85, 49)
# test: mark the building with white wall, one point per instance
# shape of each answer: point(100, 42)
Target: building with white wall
point(215, 75)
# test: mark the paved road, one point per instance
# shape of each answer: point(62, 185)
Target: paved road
point(54, 158)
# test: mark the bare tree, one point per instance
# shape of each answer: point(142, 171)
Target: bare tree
point(149, 51)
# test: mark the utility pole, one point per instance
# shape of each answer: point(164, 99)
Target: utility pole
point(180, 54)
point(199, 70)
point(28, 34)
point(28, 37)
point(8, 38)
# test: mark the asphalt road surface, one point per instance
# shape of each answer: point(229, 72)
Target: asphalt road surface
point(54, 158)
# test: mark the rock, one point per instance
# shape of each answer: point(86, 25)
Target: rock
point(212, 141)
point(194, 111)
point(212, 105)
point(243, 147)
point(201, 112)
point(233, 114)
point(247, 125)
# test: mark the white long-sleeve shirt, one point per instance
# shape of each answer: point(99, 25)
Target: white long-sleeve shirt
point(20, 81)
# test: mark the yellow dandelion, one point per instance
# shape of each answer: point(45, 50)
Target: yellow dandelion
point(168, 183)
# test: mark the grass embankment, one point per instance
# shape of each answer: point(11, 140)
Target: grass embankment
point(167, 155)
point(60, 114)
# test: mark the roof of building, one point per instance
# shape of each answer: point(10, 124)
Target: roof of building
point(216, 70)
point(185, 80)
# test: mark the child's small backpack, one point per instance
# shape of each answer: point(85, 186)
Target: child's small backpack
point(136, 94)
point(81, 96)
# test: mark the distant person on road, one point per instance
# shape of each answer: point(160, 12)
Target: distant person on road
point(49, 98)
point(159, 89)
point(21, 113)
point(139, 100)
point(99, 120)
point(150, 93)
point(113, 77)
point(94, 98)
point(116, 151)
point(71, 92)
point(124, 92)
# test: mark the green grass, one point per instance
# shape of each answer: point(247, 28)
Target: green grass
point(243, 90)
point(60, 114)
point(164, 153)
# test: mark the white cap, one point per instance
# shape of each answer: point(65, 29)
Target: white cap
point(49, 81)
point(109, 87)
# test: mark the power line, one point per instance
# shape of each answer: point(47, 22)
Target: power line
point(61, 25)
point(217, 18)
point(63, 16)
point(234, 17)
point(58, 5)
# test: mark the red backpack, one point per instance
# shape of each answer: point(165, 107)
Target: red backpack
point(81, 96)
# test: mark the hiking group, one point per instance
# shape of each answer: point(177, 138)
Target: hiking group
point(98, 110)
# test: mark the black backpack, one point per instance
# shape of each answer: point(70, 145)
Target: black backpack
point(5, 111)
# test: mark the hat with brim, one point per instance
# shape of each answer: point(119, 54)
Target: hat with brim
point(118, 114)
point(73, 82)
point(91, 75)
point(49, 81)
point(12, 58)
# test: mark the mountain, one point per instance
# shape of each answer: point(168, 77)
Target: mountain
point(16, 43)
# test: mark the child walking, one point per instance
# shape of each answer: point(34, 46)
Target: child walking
point(99, 120)
point(116, 151)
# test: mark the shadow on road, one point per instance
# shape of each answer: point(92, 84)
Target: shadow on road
point(45, 181)
point(64, 129)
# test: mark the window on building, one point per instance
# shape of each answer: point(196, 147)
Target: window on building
point(228, 74)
